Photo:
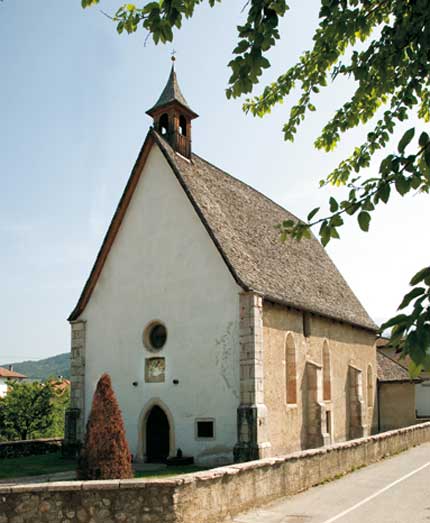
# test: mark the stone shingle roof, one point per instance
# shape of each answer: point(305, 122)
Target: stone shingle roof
point(390, 371)
point(171, 93)
point(241, 221)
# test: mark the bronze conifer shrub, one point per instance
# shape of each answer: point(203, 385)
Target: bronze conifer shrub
point(105, 454)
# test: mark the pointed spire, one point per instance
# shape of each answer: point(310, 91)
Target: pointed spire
point(171, 93)
point(172, 116)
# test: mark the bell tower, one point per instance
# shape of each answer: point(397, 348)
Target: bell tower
point(172, 116)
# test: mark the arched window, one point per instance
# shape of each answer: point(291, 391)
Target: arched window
point(326, 372)
point(164, 124)
point(369, 386)
point(182, 125)
point(290, 370)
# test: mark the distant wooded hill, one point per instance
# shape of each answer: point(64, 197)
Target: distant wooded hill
point(42, 369)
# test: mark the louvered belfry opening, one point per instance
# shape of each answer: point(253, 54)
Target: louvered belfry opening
point(172, 116)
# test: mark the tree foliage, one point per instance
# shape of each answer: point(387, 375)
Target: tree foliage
point(26, 411)
point(388, 42)
point(105, 454)
point(60, 402)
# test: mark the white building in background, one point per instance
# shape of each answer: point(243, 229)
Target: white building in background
point(5, 375)
point(422, 391)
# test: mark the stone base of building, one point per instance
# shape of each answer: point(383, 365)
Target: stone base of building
point(246, 452)
point(251, 429)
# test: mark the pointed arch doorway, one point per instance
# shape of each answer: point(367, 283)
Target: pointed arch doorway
point(157, 435)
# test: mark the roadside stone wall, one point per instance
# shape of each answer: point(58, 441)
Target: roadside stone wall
point(204, 497)
point(31, 447)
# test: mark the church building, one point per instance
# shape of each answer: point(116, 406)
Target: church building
point(220, 339)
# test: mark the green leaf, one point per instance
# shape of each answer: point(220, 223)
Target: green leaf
point(414, 348)
point(424, 139)
point(384, 192)
point(313, 213)
point(334, 206)
point(241, 47)
point(324, 233)
point(334, 233)
point(406, 139)
point(400, 319)
point(414, 369)
point(368, 205)
point(336, 221)
point(420, 276)
point(364, 220)
point(352, 209)
point(402, 184)
point(414, 293)
point(427, 155)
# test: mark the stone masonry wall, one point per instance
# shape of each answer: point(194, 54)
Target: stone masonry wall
point(357, 425)
point(330, 344)
point(77, 378)
point(204, 497)
point(252, 440)
point(315, 409)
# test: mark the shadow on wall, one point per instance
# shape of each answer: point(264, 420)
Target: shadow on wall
point(332, 330)
point(347, 396)
point(304, 394)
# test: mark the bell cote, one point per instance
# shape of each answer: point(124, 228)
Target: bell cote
point(172, 116)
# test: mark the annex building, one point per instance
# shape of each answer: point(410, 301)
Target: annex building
point(220, 339)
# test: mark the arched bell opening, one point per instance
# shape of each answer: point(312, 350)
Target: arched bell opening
point(163, 124)
point(182, 125)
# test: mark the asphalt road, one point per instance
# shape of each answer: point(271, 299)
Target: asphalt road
point(396, 490)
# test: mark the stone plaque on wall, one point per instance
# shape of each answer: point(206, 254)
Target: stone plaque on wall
point(155, 370)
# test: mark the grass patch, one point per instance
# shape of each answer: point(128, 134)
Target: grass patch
point(11, 468)
point(35, 465)
point(168, 471)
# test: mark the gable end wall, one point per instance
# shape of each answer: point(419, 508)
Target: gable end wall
point(164, 266)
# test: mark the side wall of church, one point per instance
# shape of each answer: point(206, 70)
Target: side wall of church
point(320, 388)
point(164, 266)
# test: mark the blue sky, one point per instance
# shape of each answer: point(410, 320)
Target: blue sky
point(72, 120)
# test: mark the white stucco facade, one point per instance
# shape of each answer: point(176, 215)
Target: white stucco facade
point(422, 391)
point(3, 387)
point(164, 266)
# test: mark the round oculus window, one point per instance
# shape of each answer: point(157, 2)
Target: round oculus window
point(155, 336)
